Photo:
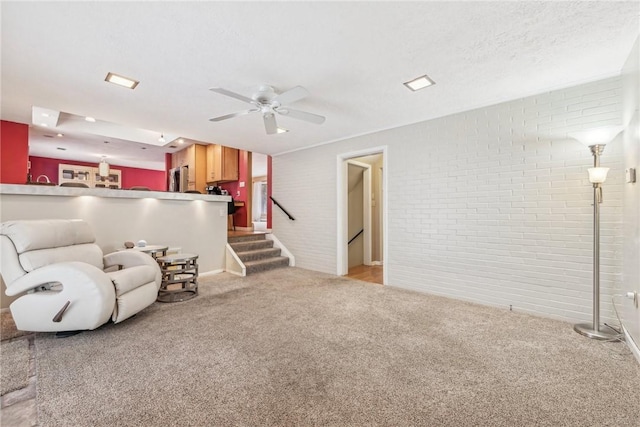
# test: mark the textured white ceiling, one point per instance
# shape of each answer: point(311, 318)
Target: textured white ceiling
point(352, 57)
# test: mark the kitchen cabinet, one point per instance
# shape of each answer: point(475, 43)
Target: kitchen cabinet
point(179, 158)
point(195, 158)
point(222, 164)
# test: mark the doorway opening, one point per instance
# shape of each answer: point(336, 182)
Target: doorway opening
point(260, 197)
point(362, 215)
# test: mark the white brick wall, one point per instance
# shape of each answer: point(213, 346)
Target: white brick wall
point(491, 205)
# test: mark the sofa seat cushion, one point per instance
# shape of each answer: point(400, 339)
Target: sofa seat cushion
point(89, 253)
point(130, 278)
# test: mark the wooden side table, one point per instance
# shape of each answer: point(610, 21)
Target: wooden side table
point(179, 277)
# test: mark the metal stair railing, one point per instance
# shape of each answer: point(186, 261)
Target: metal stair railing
point(355, 237)
point(281, 208)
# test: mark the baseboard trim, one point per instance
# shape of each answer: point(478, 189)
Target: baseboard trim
point(631, 344)
point(211, 273)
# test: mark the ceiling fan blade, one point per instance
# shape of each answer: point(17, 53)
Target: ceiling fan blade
point(301, 115)
point(291, 95)
point(229, 116)
point(270, 123)
point(233, 95)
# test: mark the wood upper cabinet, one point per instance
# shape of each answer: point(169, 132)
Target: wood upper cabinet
point(222, 163)
point(195, 158)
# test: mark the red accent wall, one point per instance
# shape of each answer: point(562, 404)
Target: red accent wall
point(14, 152)
point(155, 180)
point(238, 193)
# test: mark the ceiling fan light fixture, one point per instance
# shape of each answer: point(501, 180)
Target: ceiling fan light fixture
point(121, 80)
point(270, 103)
point(419, 83)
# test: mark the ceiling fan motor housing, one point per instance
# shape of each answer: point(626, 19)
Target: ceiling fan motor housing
point(264, 94)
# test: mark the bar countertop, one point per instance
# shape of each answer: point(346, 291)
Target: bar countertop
point(52, 190)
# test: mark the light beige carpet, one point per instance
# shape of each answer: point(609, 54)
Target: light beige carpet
point(292, 347)
point(14, 365)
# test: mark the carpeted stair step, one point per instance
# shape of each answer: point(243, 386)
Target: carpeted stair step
point(246, 237)
point(266, 264)
point(258, 254)
point(251, 245)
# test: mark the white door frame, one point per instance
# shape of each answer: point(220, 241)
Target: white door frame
point(366, 210)
point(342, 261)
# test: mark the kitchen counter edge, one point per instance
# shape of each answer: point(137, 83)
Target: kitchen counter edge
point(46, 190)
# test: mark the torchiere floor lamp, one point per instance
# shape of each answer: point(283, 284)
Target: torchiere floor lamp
point(596, 139)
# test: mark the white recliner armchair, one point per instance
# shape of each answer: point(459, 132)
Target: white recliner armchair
point(61, 269)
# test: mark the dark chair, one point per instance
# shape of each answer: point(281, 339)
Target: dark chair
point(231, 209)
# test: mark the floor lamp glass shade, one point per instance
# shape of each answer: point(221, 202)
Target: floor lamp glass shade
point(597, 136)
point(103, 168)
point(598, 175)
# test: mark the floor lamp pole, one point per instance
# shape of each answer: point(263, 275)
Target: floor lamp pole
point(595, 330)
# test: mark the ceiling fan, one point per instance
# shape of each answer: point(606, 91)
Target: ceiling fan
point(268, 102)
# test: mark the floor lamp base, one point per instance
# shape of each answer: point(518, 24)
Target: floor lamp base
point(604, 332)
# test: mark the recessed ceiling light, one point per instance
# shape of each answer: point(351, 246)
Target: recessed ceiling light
point(44, 125)
point(121, 81)
point(61, 149)
point(283, 130)
point(60, 135)
point(45, 114)
point(419, 83)
point(90, 119)
point(180, 141)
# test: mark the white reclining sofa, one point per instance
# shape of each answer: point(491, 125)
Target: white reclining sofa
point(60, 269)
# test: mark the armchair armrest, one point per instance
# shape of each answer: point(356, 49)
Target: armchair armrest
point(67, 273)
point(85, 299)
point(129, 259)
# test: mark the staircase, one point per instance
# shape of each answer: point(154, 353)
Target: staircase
point(257, 252)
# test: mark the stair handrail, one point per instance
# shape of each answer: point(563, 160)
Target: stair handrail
point(355, 237)
point(283, 209)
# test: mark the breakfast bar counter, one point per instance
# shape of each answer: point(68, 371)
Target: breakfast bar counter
point(52, 190)
point(184, 222)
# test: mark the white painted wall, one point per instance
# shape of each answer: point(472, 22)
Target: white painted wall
point(631, 231)
point(491, 205)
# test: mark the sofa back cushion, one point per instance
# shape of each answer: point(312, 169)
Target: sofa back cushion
point(30, 235)
point(88, 252)
point(49, 241)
